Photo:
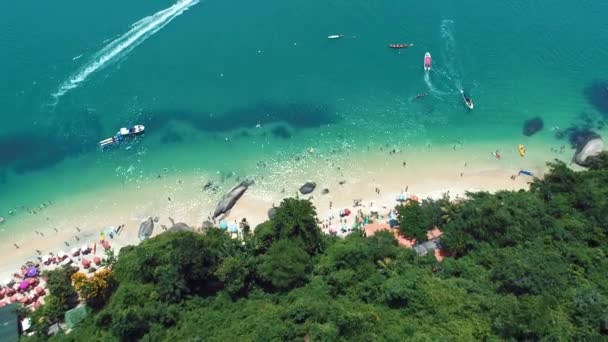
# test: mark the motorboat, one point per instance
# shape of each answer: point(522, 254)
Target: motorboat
point(427, 61)
point(335, 36)
point(124, 132)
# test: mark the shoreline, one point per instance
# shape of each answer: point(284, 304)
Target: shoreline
point(428, 172)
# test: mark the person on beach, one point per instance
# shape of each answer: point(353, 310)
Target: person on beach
point(78, 229)
point(16, 245)
point(56, 231)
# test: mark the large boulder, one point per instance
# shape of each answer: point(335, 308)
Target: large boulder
point(308, 188)
point(145, 229)
point(532, 126)
point(591, 148)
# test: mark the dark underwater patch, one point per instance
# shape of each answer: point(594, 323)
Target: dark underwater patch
point(597, 95)
point(296, 115)
point(281, 132)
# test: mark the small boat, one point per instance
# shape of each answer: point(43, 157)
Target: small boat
point(427, 61)
point(335, 36)
point(123, 133)
point(522, 150)
point(467, 100)
point(400, 46)
point(131, 130)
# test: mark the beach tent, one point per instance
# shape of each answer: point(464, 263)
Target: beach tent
point(76, 315)
point(9, 323)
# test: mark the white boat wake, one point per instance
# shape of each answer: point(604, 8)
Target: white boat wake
point(120, 47)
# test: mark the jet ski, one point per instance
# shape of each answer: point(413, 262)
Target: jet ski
point(467, 100)
point(132, 130)
point(427, 61)
point(400, 46)
point(335, 36)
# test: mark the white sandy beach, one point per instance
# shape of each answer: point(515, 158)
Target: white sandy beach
point(429, 172)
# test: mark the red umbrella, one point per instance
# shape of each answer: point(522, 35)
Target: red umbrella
point(10, 292)
point(37, 305)
point(40, 291)
point(86, 263)
point(24, 300)
point(97, 260)
point(346, 212)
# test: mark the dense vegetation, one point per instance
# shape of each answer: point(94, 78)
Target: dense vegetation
point(527, 265)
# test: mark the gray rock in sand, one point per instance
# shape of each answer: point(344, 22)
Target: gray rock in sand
point(180, 226)
point(271, 212)
point(592, 148)
point(308, 188)
point(145, 229)
point(207, 225)
point(230, 199)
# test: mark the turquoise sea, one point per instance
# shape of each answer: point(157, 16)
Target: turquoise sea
point(201, 75)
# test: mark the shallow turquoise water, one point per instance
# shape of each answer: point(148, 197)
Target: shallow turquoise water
point(207, 77)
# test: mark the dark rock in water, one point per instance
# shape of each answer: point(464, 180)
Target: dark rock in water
point(271, 212)
point(597, 95)
point(145, 229)
point(231, 198)
point(533, 125)
point(308, 188)
point(281, 132)
point(579, 137)
point(591, 148)
point(325, 191)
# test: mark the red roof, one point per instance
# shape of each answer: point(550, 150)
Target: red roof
point(373, 228)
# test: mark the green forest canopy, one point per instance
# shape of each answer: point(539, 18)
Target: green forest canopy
point(525, 265)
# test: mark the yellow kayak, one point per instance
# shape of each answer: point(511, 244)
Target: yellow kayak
point(522, 150)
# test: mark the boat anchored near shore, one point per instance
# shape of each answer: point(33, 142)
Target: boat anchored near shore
point(123, 133)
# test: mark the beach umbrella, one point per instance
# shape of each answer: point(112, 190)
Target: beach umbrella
point(61, 254)
point(32, 272)
point(24, 300)
point(97, 260)
point(346, 212)
point(37, 304)
point(24, 285)
point(233, 228)
point(40, 291)
point(10, 291)
point(223, 224)
point(85, 248)
point(75, 251)
point(32, 281)
point(105, 244)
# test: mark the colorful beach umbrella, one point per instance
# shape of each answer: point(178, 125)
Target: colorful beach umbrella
point(32, 272)
point(24, 285)
point(223, 224)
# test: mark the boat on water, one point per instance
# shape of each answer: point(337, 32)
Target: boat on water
point(467, 100)
point(400, 46)
point(335, 36)
point(427, 61)
point(123, 133)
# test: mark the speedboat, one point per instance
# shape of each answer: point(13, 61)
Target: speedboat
point(131, 130)
point(400, 46)
point(427, 61)
point(467, 100)
point(124, 132)
point(335, 36)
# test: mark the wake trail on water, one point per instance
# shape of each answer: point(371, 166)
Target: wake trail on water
point(119, 48)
